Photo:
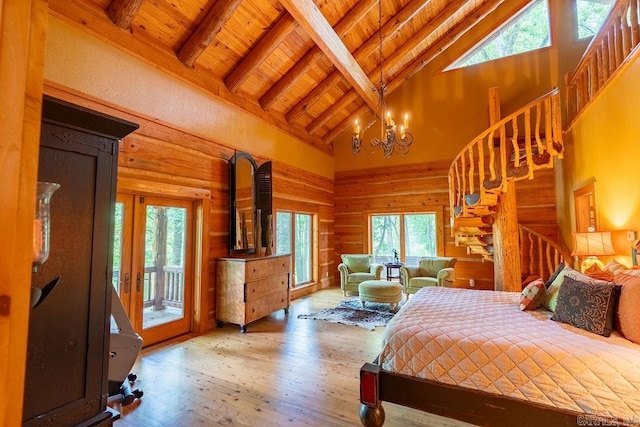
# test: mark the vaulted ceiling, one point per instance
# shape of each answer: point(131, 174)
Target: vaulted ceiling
point(306, 66)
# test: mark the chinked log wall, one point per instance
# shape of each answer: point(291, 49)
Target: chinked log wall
point(415, 187)
point(160, 153)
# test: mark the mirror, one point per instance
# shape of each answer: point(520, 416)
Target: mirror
point(249, 191)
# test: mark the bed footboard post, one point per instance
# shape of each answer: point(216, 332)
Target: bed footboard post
point(371, 411)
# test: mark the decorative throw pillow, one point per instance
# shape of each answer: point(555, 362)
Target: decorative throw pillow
point(628, 315)
point(595, 272)
point(587, 306)
point(551, 278)
point(532, 295)
point(614, 267)
point(551, 296)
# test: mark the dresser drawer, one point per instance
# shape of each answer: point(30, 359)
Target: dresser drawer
point(259, 268)
point(269, 285)
point(266, 305)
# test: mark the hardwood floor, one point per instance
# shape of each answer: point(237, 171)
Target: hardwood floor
point(283, 371)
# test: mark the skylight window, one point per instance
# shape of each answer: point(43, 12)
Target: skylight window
point(591, 15)
point(526, 31)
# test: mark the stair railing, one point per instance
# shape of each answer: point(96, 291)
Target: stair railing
point(539, 256)
point(501, 154)
point(607, 53)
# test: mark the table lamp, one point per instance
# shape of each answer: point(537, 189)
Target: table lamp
point(592, 245)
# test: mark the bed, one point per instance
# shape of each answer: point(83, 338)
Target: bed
point(512, 368)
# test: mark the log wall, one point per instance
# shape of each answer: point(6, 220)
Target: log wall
point(415, 187)
point(163, 154)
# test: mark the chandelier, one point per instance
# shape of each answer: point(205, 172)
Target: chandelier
point(390, 142)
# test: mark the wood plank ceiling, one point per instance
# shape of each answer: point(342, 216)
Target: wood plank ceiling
point(306, 66)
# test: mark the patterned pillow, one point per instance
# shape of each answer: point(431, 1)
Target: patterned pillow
point(532, 295)
point(551, 296)
point(614, 267)
point(587, 306)
point(628, 315)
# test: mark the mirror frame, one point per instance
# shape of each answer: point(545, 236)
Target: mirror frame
point(232, 201)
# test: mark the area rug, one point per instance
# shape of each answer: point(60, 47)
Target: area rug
point(351, 312)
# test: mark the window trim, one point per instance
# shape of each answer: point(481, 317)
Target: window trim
point(314, 246)
point(437, 209)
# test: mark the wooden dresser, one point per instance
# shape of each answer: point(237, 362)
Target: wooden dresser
point(250, 288)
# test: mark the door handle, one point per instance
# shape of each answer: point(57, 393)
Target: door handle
point(127, 283)
point(138, 283)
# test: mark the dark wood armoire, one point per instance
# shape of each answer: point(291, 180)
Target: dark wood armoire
point(67, 357)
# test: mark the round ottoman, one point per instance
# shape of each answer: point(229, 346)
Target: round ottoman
point(380, 291)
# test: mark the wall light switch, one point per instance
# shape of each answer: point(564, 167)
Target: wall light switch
point(472, 283)
point(631, 236)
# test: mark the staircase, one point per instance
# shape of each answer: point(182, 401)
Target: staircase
point(510, 150)
point(539, 256)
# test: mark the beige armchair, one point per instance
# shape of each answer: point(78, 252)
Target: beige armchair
point(431, 271)
point(356, 268)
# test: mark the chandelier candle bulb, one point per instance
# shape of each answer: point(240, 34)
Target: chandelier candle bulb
point(406, 121)
point(388, 118)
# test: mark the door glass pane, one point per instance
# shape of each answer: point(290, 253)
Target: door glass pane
point(164, 265)
point(283, 233)
point(419, 237)
point(117, 247)
point(302, 270)
point(385, 237)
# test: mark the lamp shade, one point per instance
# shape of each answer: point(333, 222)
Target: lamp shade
point(592, 244)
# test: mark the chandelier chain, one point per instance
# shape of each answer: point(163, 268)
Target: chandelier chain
point(389, 142)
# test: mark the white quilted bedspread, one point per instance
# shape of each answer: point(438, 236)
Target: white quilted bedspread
point(481, 340)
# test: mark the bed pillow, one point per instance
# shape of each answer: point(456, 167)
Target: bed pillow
point(532, 295)
point(551, 278)
point(551, 296)
point(614, 267)
point(588, 306)
point(597, 273)
point(628, 314)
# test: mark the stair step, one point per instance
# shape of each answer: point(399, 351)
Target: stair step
point(472, 199)
point(481, 210)
point(481, 250)
point(473, 231)
point(463, 240)
point(473, 221)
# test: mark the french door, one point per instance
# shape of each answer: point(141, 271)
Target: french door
point(153, 264)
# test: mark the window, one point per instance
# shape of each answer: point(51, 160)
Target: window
point(294, 235)
point(526, 31)
point(412, 235)
point(591, 14)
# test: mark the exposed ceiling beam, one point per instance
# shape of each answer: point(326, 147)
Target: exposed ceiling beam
point(122, 12)
point(428, 55)
point(207, 31)
point(311, 19)
point(260, 51)
point(358, 12)
point(92, 18)
point(367, 48)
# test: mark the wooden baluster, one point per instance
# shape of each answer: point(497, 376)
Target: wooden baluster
point(492, 155)
point(625, 31)
point(527, 142)
point(514, 142)
point(481, 174)
point(503, 158)
point(634, 24)
point(459, 185)
point(611, 57)
point(464, 183)
point(472, 188)
point(617, 35)
point(540, 243)
point(593, 77)
point(548, 131)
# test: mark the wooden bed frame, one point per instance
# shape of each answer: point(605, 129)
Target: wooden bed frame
point(464, 404)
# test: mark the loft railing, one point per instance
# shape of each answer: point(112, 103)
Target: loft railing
point(609, 50)
point(511, 149)
point(539, 256)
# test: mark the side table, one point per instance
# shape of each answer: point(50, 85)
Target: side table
point(393, 265)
